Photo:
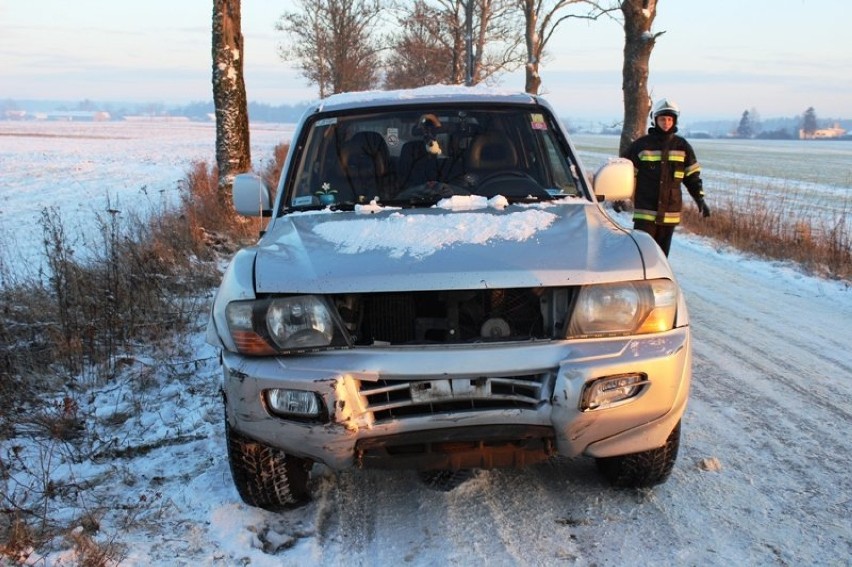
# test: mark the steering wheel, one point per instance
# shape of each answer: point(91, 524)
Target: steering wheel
point(525, 185)
point(506, 173)
point(427, 192)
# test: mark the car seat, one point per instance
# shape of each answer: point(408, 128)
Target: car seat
point(364, 159)
point(415, 167)
point(490, 152)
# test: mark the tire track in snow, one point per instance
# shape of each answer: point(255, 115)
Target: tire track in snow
point(348, 525)
point(783, 392)
point(775, 467)
point(525, 505)
point(380, 517)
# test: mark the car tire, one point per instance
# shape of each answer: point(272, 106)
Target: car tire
point(645, 469)
point(266, 477)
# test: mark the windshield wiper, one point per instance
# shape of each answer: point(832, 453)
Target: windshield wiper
point(425, 195)
point(348, 206)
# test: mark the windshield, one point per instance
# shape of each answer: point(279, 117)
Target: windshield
point(416, 157)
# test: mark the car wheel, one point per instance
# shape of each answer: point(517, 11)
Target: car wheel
point(641, 470)
point(266, 477)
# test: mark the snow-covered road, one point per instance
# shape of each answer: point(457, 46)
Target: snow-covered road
point(762, 477)
point(769, 417)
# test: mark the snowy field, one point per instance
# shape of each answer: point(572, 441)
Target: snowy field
point(81, 169)
point(810, 179)
point(763, 476)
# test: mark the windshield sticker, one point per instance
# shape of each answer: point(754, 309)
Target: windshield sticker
point(392, 136)
point(325, 122)
point(302, 201)
point(537, 121)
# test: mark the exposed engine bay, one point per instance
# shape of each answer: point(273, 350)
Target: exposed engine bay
point(455, 316)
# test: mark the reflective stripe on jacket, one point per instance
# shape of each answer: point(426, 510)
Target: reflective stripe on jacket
point(661, 162)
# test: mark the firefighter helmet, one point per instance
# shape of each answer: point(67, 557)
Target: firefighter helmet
point(665, 107)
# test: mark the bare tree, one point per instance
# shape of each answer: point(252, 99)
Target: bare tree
point(233, 151)
point(638, 43)
point(541, 19)
point(334, 43)
point(452, 15)
point(498, 45)
point(420, 54)
point(496, 41)
point(435, 32)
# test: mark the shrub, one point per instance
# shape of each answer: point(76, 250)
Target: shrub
point(272, 171)
point(142, 279)
point(774, 229)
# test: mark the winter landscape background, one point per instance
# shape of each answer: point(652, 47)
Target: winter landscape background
point(762, 477)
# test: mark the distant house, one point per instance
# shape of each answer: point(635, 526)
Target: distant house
point(15, 114)
point(74, 115)
point(823, 133)
point(155, 118)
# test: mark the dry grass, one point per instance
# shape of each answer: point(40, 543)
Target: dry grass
point(772, 229)
point(139, 280)
point(145, 279)
point(272, 171)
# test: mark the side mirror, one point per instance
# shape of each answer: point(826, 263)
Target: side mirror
point(615, 180)
point(251, 196)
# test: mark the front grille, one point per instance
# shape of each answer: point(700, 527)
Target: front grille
point(389, 316)
point(391, 399)
point(454, 316)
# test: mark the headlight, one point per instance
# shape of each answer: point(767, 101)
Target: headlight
point(294, 403)
point(627, 308)
point(299, 322)
point(281, 324)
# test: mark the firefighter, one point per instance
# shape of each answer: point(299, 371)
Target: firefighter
point(662, 160)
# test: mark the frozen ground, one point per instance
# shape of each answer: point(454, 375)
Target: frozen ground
point(762, 478)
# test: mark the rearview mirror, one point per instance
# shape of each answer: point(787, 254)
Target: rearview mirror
point(251, 196)
point(614, 181)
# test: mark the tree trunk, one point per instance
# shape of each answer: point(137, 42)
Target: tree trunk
point(638, 43)
point(533, 79)
point(233, 152)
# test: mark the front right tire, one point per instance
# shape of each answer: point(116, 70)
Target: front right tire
point(645, 469)
point(266, 477)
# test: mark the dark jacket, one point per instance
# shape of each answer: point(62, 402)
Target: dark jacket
point(661, 162)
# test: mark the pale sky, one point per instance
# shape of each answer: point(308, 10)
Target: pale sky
point(717, 58)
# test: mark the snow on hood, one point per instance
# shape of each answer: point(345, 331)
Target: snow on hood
point(418, 236)
point(460, 244)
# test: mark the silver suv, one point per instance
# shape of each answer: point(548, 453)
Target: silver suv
point(439, 288)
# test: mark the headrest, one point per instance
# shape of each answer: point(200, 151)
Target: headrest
point(492, 151)
point(365, 150)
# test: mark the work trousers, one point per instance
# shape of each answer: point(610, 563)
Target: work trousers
point(662, 233)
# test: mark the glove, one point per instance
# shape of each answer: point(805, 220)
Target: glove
point(703, 208)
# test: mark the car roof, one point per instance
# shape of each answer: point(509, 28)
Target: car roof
point(435, 94)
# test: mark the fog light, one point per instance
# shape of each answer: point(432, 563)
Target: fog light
point(609, 391)
point(296, 403)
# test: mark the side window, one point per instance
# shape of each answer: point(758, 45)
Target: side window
point(559, 166)
point(310, 166)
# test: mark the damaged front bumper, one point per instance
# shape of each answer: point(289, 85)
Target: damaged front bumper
point(467, 406)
